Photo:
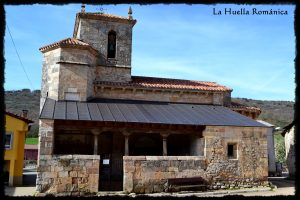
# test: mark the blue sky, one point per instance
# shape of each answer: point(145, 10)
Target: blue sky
point(253, 54)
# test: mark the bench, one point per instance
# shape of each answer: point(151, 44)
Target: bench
point(187, 184)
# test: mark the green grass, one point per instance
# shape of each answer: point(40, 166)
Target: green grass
point(32, 141)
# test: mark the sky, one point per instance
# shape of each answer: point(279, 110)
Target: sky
point(252, 54)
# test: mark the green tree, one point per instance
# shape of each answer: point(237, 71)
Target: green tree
point(279, 148)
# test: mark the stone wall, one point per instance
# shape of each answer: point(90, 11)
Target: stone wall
point(271, 150)
point(68, 174)
point(290, 155)
point(64, 174)
point(46, 137)
point(148, 174)
point(76, 73)
point(114, 74)
point(252, 153)
point(50, 75)
point(67, 70)
point(73, 79)
point(249, 168)
point(95, 32)
point(159, 95)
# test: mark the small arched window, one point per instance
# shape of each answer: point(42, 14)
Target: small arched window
point(111, 45)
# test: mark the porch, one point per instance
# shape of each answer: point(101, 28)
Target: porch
point(112, 141)
point(125, 145)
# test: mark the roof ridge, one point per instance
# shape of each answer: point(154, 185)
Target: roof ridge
point(156, 82)
point(72, 41)
point(174, 79)
point(105, 15)
point(19, 117)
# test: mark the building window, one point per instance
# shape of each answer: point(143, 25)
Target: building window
point(8, 140)
point(111, 45)
point(72, 95)
point(232, 151)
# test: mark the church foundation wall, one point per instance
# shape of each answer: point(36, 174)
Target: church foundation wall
point(68, 174)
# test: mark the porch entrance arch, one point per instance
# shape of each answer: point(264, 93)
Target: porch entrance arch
point(145, 144)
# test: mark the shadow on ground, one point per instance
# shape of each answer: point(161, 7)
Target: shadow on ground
point(281, 182)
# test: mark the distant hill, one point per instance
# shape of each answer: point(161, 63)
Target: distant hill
point(18, 100)
point(279, 113)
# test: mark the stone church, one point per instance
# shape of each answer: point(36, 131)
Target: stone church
point(102, 129)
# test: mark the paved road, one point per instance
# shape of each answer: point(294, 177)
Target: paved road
point(19, 191)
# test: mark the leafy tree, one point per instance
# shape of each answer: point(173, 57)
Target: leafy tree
point(279, 149)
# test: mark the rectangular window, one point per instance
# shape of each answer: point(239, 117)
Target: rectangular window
point(8, 140)
point(72, 96)
point(232, 151)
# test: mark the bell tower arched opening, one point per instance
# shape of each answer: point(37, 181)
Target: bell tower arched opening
point(111, 44)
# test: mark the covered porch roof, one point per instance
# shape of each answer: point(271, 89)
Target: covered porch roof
point(131, 111)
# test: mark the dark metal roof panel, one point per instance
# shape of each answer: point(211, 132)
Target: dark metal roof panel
point(138, 114)
point(48, 109)
point(83, 111)
point(178, 115)
point(105, 112)
point(60, 110)
point(94, 112)
point(127, 113)
point(169, 114)
point(71, 112)
point(146, 112)
point(180, 111)
point(118, 116)
point(157, 114)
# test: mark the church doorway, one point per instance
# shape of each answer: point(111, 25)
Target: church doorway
point(111, 150)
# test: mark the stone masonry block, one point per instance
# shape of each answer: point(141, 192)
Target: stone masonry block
point(73, 174)
point(63, 174)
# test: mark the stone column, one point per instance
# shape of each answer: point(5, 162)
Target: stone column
point(164, 137)
point(96, 134)
point(199, 145)
point(126, 135)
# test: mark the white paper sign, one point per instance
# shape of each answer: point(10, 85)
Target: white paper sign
point(105, 161)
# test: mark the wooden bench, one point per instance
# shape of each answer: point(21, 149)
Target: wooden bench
point(187, 184)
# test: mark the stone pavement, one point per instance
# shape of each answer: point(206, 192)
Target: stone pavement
point(266, 191)
point(284, 187)
point(19, 191)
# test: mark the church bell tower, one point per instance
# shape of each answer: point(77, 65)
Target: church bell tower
point(111, 35)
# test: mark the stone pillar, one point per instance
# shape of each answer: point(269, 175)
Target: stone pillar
point(126, 135)
point(96, 134)
point(197, 149)
point(164, 137)
point(46, 137)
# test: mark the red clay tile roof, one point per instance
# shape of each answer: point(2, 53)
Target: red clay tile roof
point(99, 15)
point(19, 117)
point(69, 42)
point(166, 83)
point(103, 15)
point(31, 146)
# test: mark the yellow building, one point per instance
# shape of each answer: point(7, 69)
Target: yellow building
point(16, 128)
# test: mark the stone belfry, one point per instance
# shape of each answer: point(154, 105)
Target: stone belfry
point(109, 34)
point(99, 51)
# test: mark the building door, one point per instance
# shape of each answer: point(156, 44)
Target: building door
point(105, 172)
point(111, 165)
